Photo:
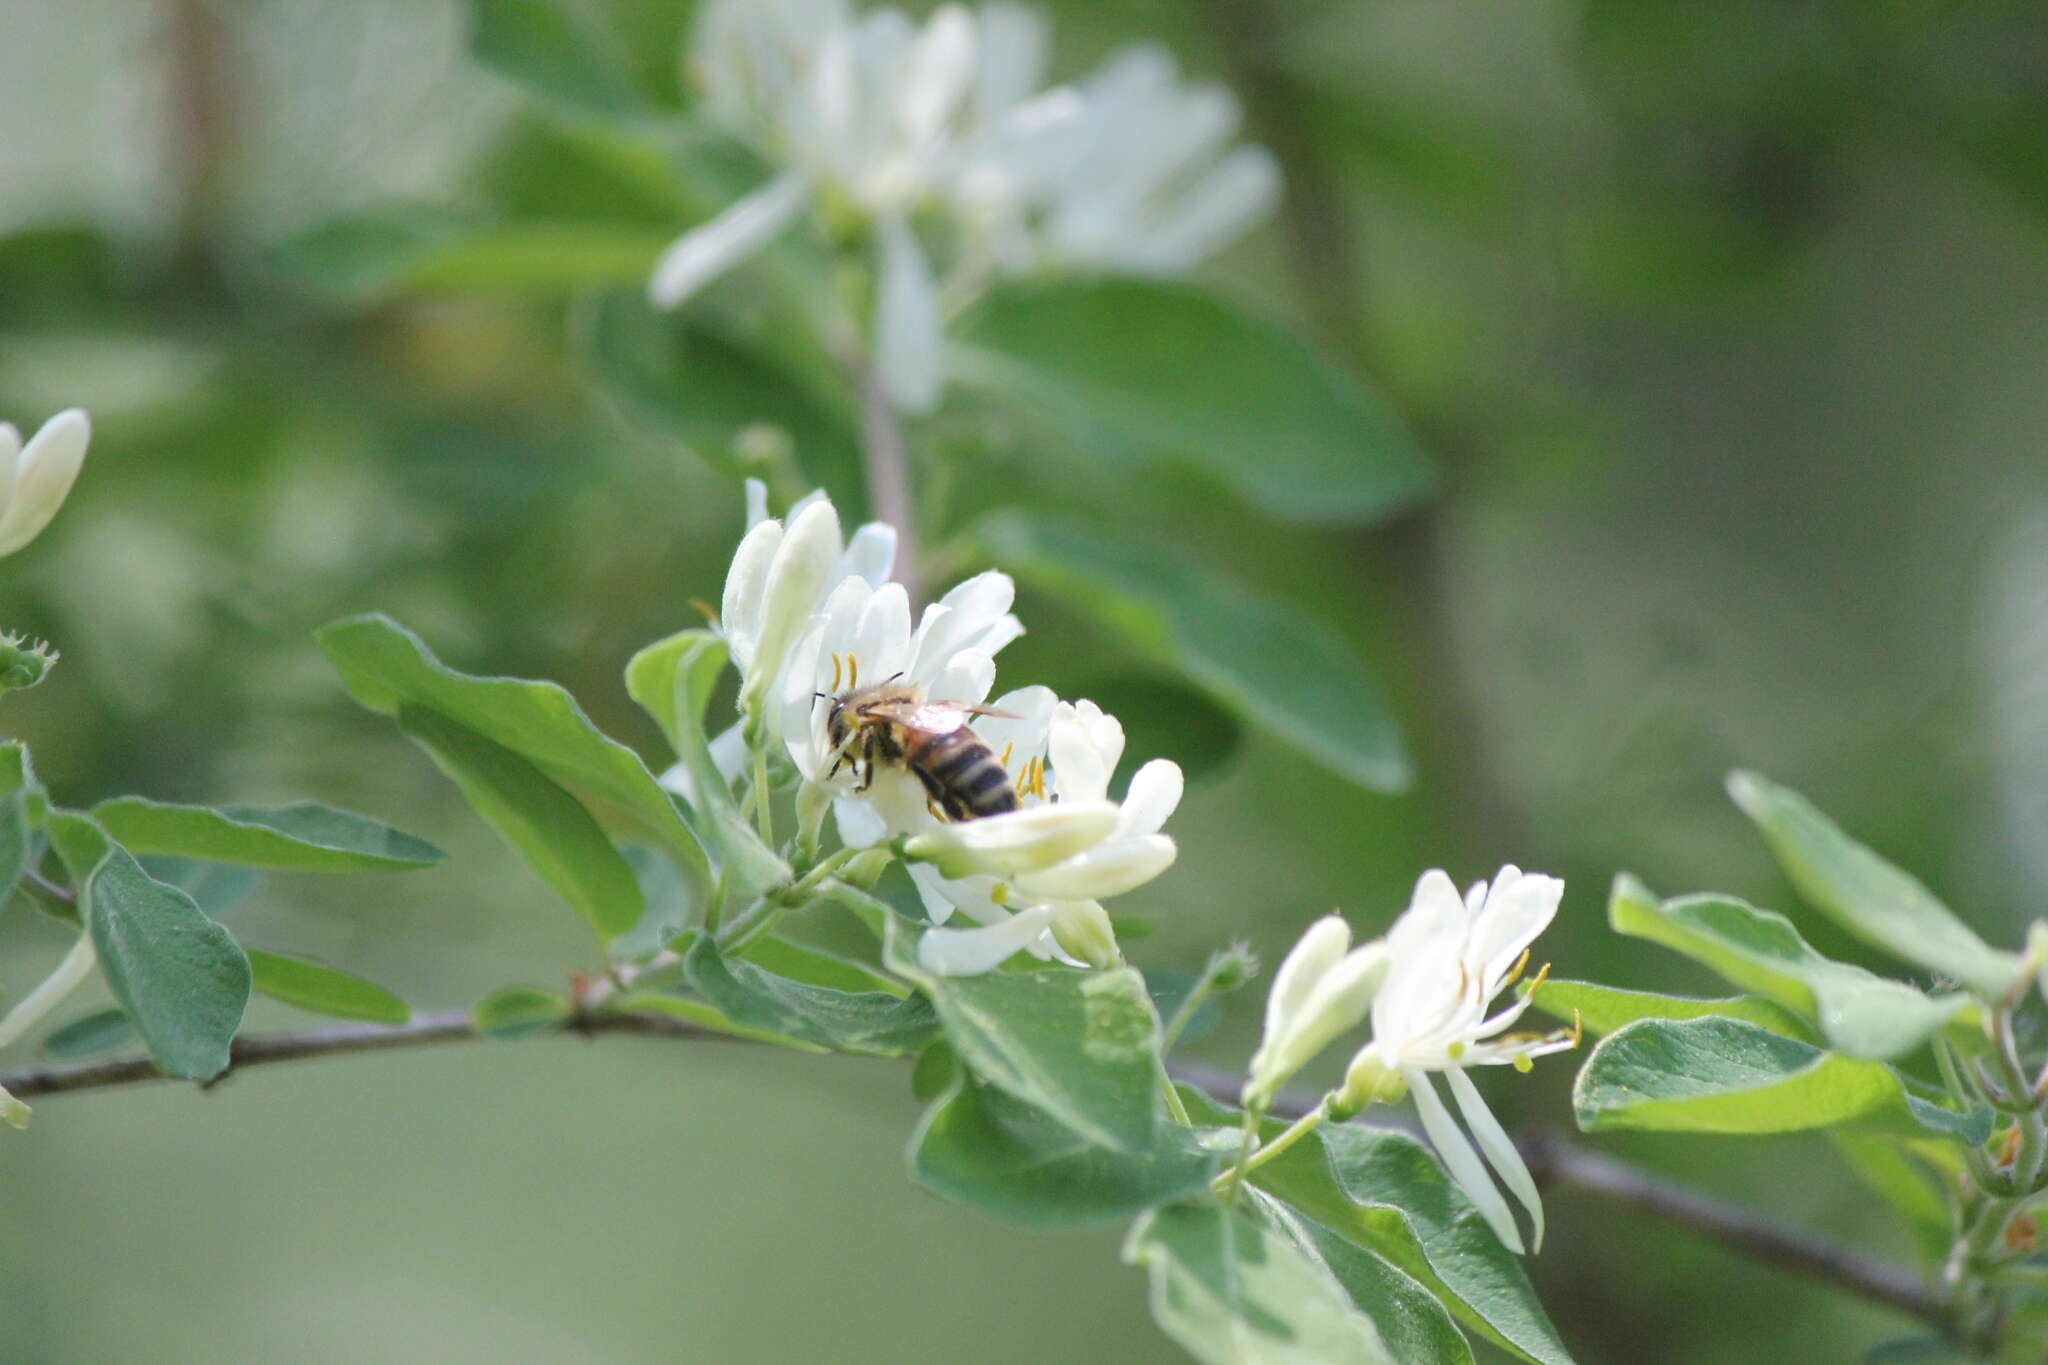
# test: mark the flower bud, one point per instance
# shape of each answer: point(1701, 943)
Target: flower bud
point(1015, 841)
point(23, 662)
point(1083, 929)
point(1229, 968)
point(1320, 991)
point(794, 584)
point(34, 480)
point(1109, 869)
point(1366, 1083)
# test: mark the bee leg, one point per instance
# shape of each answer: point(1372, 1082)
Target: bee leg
point(867, 778)
point(937, 814)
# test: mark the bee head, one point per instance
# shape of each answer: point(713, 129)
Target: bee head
point(838, 725)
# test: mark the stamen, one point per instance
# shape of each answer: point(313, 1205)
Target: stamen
point(835, 670)
point(1515, 972)
point(1542, 975)
point(704, 608)
point(852, 670)
point(1578, 1028)
point(1005, 760)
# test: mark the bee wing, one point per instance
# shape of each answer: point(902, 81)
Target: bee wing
point(943, 717)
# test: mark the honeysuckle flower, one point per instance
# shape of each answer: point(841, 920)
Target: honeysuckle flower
point(1061, 756)
point(1323, 988)
point(36, 478)
point(1447, 958)
point(934, 147)
point(1131, 169)
point(863, 636)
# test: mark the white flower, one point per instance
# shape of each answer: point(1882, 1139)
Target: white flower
point(880, 125)
point(1131, 169)
point(1448, 957)
point(35, 479)
point(1322, 989)
point(1082, 744)
point(863, 636)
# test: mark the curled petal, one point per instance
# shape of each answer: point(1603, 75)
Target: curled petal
point(1455, 1151)
point(970, 952)
point(710, 249)
point(1500, 1150)
point(1109, 869)
point(1154, 794)
point(1016, 841)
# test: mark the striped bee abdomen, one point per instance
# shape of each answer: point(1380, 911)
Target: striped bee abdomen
point(961, 774)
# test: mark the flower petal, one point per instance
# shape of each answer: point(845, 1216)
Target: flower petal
point(870, 554)
point(1500, 1150)
point(797, 577)
point(1519, 906)
point(1083, 745)
point(48, 466)
point(970, 952)
point(1016, 841)
point(910, 342)
point(746, 591)
point(1109, 869)
point(711, 248)
point(1315, 953)
point(1154, 794)
point(1463, 1164)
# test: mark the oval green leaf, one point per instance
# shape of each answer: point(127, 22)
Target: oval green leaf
point(1262, 658)
point(1717, 1075)
point(1160, 369)
point(519, 1012)
point(1864, 893)
point(302, 836)
point(89, 1034)
point(324, 990)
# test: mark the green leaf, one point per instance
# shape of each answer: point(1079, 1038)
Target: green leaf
point(555, 50)
point(1233, 1293)
point(1382, 1190)
point(815, 967)
point(1716, 1075)
point(979, 1145)
point(682, 378)
point(1267, 661)
point(324, 990)
point(1158, 369)
point(549, 829)
point(303, 836)
point(176, 973)
point(1859, 1013)
point(17, 786)
point(1865, 894)
point(668, 906)
point(385, 667)
point(1603, 1009)
point(672, 681)
point(699, 1014)
point(402, 249)
point(1413, 1323)
point(218, 887)
point(89, 1033)
point(874, 1022)
point(518, 1012)
point(1081, 1046)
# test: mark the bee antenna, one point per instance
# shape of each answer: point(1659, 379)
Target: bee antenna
point(894, 676)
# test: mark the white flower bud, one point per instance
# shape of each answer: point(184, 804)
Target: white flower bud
point(794, 584)
point(1320, 991)
point(1083, 930)
point(1015, 841)
point(35, 480)
point(1109, 869)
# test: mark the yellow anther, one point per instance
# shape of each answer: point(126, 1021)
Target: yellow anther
point(852, 670)
point(1522, 1063)
point(1542, 975)
point(835, 670)
point(704, 609)
point(1515, 972)
point(1006, 754)
point(1578, 1029)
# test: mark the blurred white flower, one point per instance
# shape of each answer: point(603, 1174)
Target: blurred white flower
point(1060, 756)
point(941, 133)
point(36, 478)
point(1448, 957)
point(1323, 989)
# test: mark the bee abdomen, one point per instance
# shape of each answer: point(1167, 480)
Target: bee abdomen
point(965, 777)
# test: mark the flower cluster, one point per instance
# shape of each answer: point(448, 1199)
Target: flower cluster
point(810, 615)
point(941, 146)
point(1428, 986)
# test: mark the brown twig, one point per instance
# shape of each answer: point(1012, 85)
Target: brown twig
point(886, 464)
point(1556, 1162)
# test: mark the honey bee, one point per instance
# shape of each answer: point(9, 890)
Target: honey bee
point(892, 722)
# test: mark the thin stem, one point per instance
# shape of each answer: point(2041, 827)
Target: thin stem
point(1554, 1161)
point(446, 1026)
point(764, 815)
point(886, 464)
point(1175, 1108)
point(1295, 1132)
point(48, 887)
point(1184, 1012)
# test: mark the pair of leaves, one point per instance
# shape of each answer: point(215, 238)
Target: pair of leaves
point(518, 750)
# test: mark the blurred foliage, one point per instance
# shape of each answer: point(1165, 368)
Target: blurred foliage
point(1725, 325)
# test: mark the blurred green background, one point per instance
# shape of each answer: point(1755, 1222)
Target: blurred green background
point(1728, 325)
